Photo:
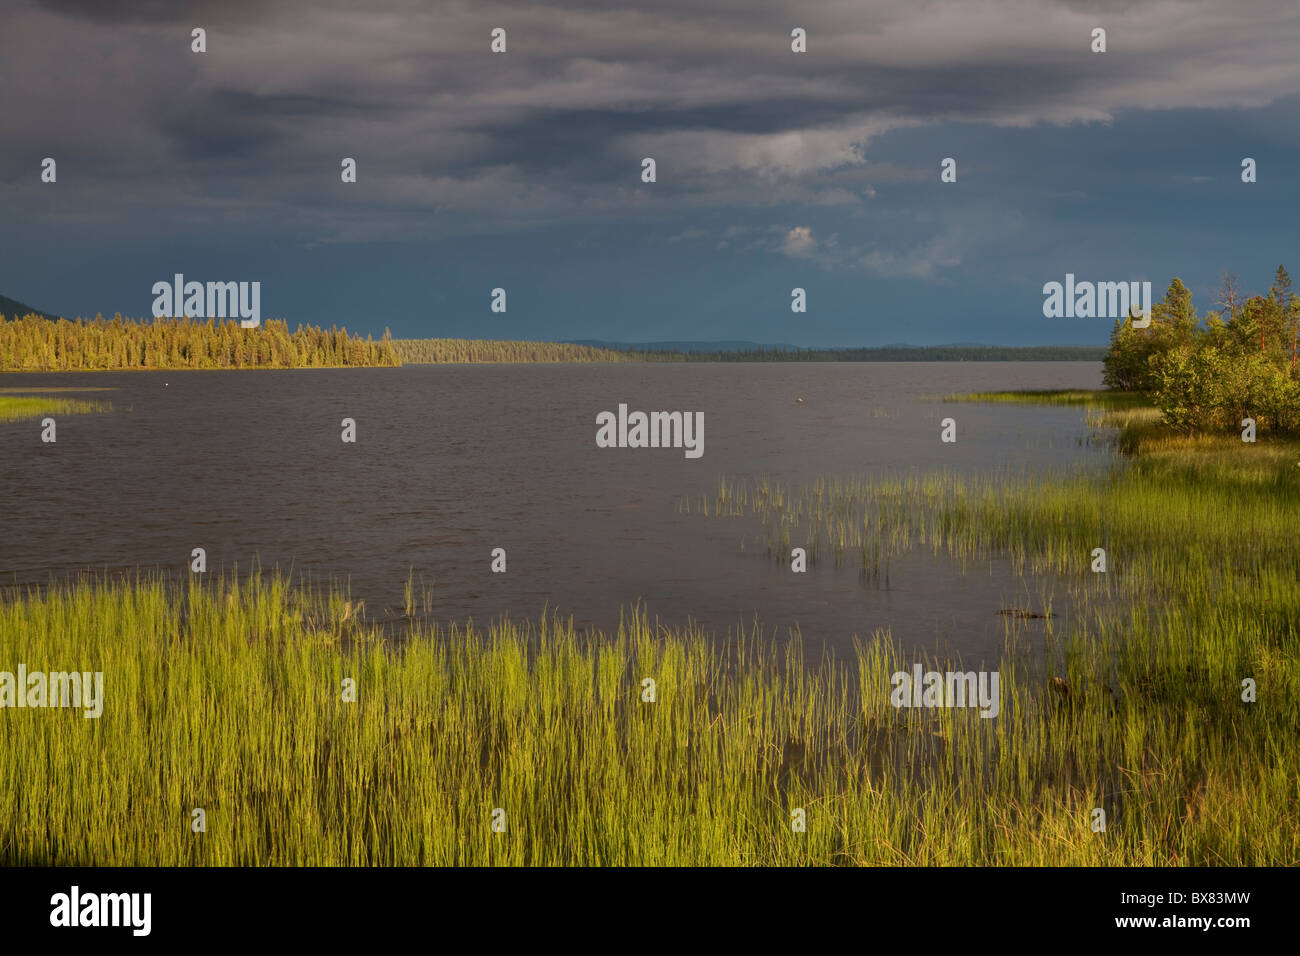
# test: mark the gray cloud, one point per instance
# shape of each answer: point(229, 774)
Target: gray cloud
point(452, 139)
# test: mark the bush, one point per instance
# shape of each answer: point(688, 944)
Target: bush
point(1212, 378)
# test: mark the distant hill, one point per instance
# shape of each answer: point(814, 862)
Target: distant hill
point(727, 345)
point(12, 309)
point(761, 351)
point(758, 352)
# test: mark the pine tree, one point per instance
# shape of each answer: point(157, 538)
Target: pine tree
point(1281, 288)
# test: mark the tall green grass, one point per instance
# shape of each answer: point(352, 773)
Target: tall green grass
point(1100, 398)
point(14, 407)
point(229, 698)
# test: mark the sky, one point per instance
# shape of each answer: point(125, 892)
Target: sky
point(522, 170)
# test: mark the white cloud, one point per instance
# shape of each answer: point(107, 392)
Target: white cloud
point(799, 242)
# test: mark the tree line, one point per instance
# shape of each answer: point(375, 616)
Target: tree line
point(1241, 360)
point(457, 351)
point(35, 343)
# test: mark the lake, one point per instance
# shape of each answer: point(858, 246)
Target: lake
point(453, 461)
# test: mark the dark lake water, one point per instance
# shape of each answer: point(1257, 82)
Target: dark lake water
point(453, 461)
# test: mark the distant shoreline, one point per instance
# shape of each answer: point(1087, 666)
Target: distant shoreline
point(469, 351)
point(631, 359)
point(37, 344)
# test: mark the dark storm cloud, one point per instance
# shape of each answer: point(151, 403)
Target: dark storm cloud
point(451, 138)
point(157, 11)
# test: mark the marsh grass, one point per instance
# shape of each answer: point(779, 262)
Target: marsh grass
point(11, 390)
point(1098, 398)
point(228, 697)
point(14, 407)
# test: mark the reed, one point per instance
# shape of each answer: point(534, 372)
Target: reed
point(1101, 398)
point(15, 407)
point(228, 697)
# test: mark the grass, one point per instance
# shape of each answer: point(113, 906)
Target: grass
point(1099, 398)
point(13, 407)
point(58, 388)
point(227, 696)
